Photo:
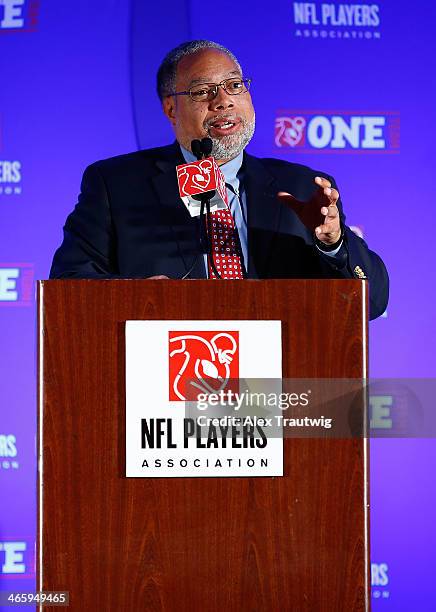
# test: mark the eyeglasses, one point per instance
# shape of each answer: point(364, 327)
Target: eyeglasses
point(205, 92)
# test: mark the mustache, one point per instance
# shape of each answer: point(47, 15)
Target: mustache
point(229, 116)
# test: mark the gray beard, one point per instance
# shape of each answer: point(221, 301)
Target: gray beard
point(228, 147)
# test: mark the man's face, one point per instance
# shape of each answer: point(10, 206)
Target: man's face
point(227, 119)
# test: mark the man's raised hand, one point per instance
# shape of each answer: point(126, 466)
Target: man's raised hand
point(320, 214)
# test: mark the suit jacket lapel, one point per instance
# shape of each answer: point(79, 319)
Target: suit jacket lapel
point(185, 229)
point(263, 215)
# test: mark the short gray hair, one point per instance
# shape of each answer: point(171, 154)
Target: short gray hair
point(166, 75)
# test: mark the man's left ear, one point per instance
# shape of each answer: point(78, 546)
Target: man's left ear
point(169, 108)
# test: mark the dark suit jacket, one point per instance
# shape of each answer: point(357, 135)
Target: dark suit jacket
point(130, 223)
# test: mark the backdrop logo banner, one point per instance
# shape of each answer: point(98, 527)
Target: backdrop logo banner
point(343, 21)
point(17, 558)
point(380, 581)
point(10, 172)
point(10, 177)
point(168, 361)
point(337, 132)
point(8, 452)
point(16, 284)
point(201, 362)
point(18, 15)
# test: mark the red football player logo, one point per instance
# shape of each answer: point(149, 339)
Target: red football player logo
point(201, 362)
point(201, 177)
point(195, 178)
point(289, 131)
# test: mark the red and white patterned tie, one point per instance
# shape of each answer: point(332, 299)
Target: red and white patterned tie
point(224, 246)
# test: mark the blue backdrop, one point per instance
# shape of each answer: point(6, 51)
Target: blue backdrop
point(347, 88)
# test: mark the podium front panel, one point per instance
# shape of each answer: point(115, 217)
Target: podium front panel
point(298, 542)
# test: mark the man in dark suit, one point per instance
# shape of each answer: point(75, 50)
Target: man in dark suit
point(130, 222)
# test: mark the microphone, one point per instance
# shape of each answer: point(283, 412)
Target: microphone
point(206, 146)
point(201, 148)
point(202, 188)
point(196, 148)
point(202, 180)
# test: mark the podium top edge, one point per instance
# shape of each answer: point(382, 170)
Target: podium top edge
point(76, 281)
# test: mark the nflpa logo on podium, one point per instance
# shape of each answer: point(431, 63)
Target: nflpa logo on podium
point(201, 362)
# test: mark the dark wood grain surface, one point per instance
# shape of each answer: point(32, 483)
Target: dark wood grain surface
point(295, 543)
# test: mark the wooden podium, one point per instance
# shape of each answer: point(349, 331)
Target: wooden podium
point(294, 543)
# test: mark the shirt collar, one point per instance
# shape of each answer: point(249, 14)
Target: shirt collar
point(230, 169)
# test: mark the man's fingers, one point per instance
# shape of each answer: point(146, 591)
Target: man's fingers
point(322, 182)
point(285, 196)
point(290, 201)
point(332, 194)
point(331, 226)
point(331, 212)
point(326, 189)
point(325, 229)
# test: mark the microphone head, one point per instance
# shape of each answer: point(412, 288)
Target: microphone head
point(206, 146)
point(196, 148)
